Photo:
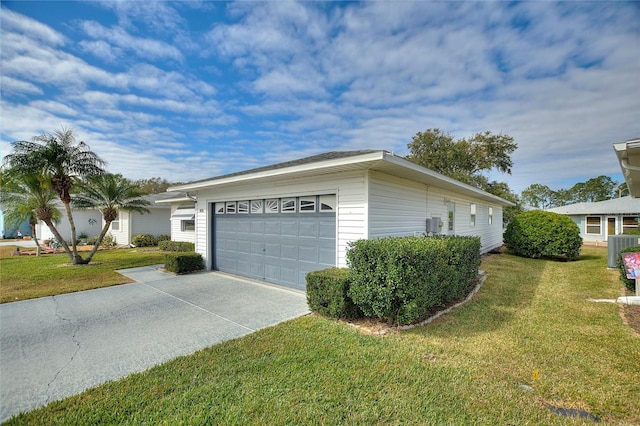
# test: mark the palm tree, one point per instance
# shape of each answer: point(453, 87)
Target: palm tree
point(109, 193)
point(29, 198)
point(58, 156)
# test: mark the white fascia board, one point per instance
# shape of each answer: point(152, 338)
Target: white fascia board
point(174, 200)
point(308, 167)
point(465, 188)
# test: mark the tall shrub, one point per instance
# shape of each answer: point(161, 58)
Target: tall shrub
point(539, 233)
point(404, 279)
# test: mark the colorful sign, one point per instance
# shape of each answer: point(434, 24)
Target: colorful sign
point(632, 265)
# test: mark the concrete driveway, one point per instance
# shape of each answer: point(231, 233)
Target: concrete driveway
point(54, 347)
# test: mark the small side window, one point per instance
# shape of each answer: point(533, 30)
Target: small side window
point(231, 207)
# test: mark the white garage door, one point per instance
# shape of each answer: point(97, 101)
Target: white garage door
point(277, 240)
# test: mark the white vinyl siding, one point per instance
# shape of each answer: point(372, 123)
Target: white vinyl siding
point(177, 232)
point(155, 223)
point(397, 207)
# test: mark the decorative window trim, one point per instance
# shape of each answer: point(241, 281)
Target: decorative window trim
point(243, 207)
point(591, 228)
point(257, 206)
point(230, 207)
point(327, 203)
point(288, 205)
point(307, 204)
point(271, 206)
point(220, 208)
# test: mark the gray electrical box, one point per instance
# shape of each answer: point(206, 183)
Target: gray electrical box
point(433, 225)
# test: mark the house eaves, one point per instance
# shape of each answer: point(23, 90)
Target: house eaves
point(628, 154)
point(344, 161)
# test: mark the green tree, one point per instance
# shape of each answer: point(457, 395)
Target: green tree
point(154, 185)
point(29, 198)
point(539, 196)
point(59, 157)
point(109, 193)
point(595, 189)
point(466, 159)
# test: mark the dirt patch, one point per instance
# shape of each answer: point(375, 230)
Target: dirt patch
point(631, 316)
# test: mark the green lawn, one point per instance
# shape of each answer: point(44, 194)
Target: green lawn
point(27, 277)
point(466, 368)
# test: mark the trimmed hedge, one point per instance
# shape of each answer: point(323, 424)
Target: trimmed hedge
point(144, 240)
point(539, 234)
point(179, 246)
point(404, 279)
point(327, 293)
point(629, 284)
point(183, 263)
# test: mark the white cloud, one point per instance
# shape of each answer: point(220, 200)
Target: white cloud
point(144, 48)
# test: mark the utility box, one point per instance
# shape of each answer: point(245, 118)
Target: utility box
point(617, 243)
point(433, 225)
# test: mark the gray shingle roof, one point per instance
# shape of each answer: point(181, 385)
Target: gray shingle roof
point(624, 205)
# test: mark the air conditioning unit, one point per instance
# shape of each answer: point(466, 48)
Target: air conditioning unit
point(433, 225)
point(617, 243)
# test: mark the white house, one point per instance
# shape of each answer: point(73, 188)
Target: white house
point(597, 221)
point(183, 214)
point(277, 223)
point(127, 225)
point(87, 222)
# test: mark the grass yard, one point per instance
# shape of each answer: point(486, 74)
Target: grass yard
point(28, 277)
point(530, 324)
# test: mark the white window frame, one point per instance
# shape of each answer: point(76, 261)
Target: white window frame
point(288, 205)
point(188, 225)
point(627, 227)
point(242, 207)
point(587, 225)
point(474, 210)
point(116, 222)
point(490, 215)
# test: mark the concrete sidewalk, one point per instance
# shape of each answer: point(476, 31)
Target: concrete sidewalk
point(54, 347)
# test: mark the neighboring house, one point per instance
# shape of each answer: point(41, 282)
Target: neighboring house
point(597, 221)
point(628, 154)
point(129, 224)
point(183, 215)
point(126, 225)
point(277, 223)
point(87, 222)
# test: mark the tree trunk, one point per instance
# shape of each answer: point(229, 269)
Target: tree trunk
point(61, 240)
point(77, 259)
point(93, 251)
point(35, 237)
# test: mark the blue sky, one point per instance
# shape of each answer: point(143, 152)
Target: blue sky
point(192, 90)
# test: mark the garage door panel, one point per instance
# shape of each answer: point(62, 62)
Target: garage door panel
point(289, 252)
point(308, 228)
point(272, 227)
point(257, 226)
point(327, 256)
point(272, 249)
point(308, 253)
point(278, 247)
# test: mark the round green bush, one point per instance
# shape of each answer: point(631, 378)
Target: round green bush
point(539, 233)
point(144, 240)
